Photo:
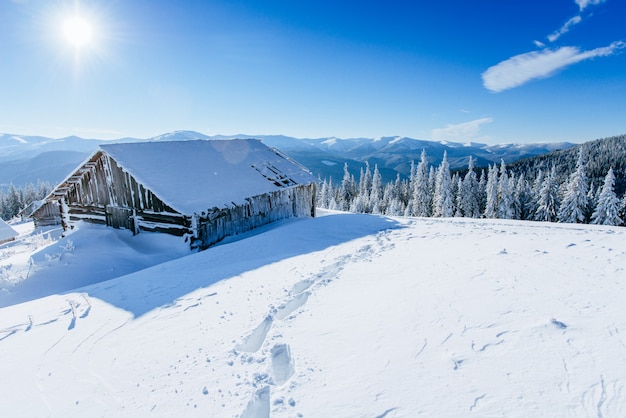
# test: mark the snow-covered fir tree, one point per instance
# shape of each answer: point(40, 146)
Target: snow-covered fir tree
point(421, 197)
point(523, 198)
point(392, 199)
point(607, 210)
point(443, 201)
point(482, 192)
point(535, 194)
point(377, 205)
point(592, 200)
point(505, 204)
point(432, 179)
point(323, 196)
point(359, 204)
point(574, 205)
point(469, 203)
point(408, 211)
point(365, 185)
point(401, 189)
point(548, 199)
point(458, 213)
point(348, 190)
point(455, 191)
point(491, 192)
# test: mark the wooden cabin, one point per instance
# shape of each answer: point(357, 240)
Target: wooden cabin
point(204, 190)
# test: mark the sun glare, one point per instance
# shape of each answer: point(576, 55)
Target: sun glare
point(77, 31)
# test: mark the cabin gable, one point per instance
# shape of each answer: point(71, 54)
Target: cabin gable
point(100, 191)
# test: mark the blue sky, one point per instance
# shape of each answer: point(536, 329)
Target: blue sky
point(486, 71)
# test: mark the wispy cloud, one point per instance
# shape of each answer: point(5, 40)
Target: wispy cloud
point(523, 68)
point(565, 28)
point(460, 131)
point(584, 3)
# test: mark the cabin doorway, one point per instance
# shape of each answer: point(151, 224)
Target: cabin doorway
point(118, 217)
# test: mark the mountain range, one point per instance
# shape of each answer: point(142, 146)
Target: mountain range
point(27, 159)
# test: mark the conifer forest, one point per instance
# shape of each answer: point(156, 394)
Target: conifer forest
point(582, 185)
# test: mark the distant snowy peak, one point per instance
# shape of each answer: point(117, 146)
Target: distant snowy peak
point(471, 144)
point(179, 136)
point(330, 141)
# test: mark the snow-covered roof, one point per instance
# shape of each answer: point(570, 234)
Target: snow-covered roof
point(6, 232)
point(193, 176)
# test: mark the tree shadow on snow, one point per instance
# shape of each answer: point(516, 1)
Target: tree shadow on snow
point(163, 284)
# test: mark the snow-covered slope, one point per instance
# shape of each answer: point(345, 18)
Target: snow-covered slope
point(342, 315)
point(39, 264)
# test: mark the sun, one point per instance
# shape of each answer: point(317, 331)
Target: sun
point(78, 31)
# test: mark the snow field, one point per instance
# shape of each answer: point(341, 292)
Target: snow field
point(89, 254)
point(343, 315)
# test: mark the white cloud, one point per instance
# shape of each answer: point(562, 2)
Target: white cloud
point(584, 3)
point(539, 44)
point(520, 69)
point(565, 28)
point(460, 131)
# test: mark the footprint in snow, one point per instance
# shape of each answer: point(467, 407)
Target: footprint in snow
point(301, 286)
point(259, 404)
point(286, 309)
point(253, 342)
point(282, 363)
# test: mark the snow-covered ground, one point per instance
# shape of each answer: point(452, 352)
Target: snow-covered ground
point(91, 254)
point(343, 315)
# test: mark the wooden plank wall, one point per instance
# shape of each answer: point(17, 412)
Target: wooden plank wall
point(48, 214)
point(257, 211)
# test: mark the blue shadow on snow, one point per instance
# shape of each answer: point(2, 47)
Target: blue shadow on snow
point(163, 284)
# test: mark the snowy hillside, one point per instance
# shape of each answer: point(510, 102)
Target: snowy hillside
point(339, 316)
